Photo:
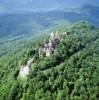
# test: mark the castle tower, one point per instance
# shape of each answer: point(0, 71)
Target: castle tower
point(52, 35)
point(56, 34)
point(39, 52)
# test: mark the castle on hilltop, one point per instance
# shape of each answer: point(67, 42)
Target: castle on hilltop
point(47, 48)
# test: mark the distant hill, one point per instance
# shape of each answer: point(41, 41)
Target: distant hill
point(13, 6)
point(34, 22)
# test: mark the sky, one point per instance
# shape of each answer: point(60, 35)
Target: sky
point(41, 5)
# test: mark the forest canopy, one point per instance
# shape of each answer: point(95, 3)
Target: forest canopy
point(70, 73)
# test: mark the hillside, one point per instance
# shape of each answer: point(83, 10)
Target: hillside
point(70, 73)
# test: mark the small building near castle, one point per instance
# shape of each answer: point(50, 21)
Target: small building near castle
point(24, 71)
point(65, 34)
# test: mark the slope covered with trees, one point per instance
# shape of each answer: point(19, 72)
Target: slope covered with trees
point(71, 73)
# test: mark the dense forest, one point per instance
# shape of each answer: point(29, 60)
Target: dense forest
point(70, 73)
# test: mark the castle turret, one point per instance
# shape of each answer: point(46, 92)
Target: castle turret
point(40, 52)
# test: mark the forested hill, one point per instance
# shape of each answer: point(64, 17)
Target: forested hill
point(70, 73)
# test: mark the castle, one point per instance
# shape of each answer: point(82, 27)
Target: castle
point(47, 48)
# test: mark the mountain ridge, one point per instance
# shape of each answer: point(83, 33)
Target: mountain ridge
point(69, 73)
point(12, 6)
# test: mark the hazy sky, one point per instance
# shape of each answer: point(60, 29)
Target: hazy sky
point(35, 5)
